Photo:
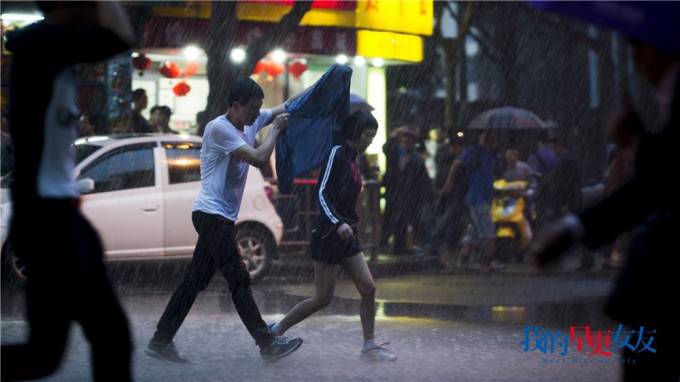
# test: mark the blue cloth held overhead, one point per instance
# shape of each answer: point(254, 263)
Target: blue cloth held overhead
point(314, 125)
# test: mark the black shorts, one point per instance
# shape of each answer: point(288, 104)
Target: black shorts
point(327, 247)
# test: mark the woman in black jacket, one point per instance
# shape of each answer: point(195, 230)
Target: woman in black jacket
point(334, 240)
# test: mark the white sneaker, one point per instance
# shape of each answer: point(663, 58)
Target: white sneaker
point(379, 353)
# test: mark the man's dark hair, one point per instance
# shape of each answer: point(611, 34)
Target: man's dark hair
point(138, 94)
point(242, 90)
point(163, 109)
point(356, 124)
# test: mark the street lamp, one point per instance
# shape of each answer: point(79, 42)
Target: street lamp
point(238, 55)
point(192, 52)
point(279, 56)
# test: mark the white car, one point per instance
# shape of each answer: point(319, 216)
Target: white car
point(138, 191)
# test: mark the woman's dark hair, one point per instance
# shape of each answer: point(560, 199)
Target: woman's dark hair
point(242, 90)
point(356, 124)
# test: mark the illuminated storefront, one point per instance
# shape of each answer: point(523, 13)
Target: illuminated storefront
point(367, 35)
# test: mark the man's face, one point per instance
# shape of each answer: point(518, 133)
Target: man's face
point(159, 118)
point(247, 113)
point(407, 142)
point(141, 102)
point(489, 141)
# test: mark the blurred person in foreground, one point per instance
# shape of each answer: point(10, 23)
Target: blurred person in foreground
point(67, 280)
point(646, 203)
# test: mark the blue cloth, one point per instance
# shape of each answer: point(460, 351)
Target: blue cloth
point(314, 125)
point(480, 165)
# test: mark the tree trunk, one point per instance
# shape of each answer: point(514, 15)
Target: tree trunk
point(219, 42)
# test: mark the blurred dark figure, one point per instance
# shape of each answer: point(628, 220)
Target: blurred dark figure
point(544, 160)
point(515, 169)
point(648, 204)
point(368, 170)
point(392, 152)
point(201, 121)
point(139, 124)
point(478, 166)
point(7, 154)
point(160, 120)
point(85, 126)
point(410, 189)
point(67, 279)
point(625, 130)
point(121, 125)
point(444, 157)
point(449, 208)
point(560, 191)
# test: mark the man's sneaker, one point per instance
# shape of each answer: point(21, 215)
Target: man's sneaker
point(379, 353)
point(279, 348)
point(164, 351)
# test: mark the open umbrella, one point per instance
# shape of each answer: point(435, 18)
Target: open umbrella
point(508, 118)
point(654, 22)
point(357, 103)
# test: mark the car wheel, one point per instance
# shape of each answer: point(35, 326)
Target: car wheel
point(13, 269)
point(256, 246)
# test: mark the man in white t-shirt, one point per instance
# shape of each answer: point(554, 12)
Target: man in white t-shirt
point(226, 152)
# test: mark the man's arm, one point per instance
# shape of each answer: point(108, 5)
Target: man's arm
point(259, 156)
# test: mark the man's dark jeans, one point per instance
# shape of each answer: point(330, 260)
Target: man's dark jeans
point(216, 249)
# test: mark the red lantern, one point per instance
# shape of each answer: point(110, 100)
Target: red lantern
point(170, 69)
point(190, 69)
point(274, 69)
point(296, 68)
point(141, 63)
point(181, 89)
point(259, 67)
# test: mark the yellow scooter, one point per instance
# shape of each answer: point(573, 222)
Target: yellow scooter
point(508, 213)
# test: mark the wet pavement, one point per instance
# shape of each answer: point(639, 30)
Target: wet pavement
point(454, 327)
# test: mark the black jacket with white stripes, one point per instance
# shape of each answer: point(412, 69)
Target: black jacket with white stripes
point(338, 189)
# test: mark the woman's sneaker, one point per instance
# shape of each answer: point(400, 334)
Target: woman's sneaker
point(379, 353)
point(279, 348)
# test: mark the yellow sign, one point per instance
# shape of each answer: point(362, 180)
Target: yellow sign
point(391, 46)
point(402, 16)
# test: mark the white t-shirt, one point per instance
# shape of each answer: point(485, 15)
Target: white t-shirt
point(223, 177)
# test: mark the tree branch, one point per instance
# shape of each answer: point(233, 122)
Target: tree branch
point(266, 42)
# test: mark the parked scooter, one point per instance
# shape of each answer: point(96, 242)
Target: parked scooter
point(509, 214)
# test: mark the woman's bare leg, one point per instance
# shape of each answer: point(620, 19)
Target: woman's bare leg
point(324, 278)
point(358, 270)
